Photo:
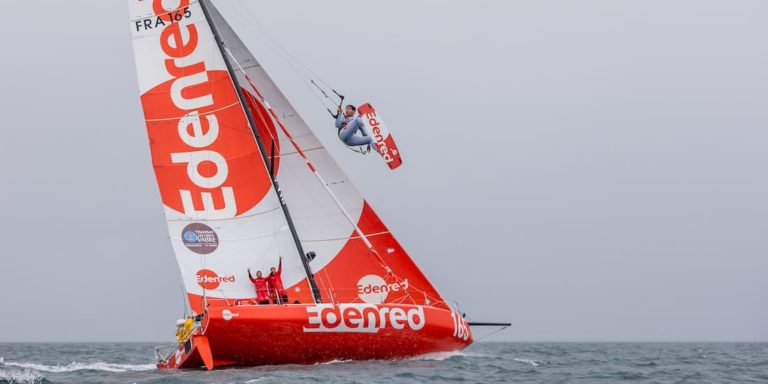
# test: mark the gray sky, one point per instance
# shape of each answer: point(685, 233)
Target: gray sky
point(589, 170)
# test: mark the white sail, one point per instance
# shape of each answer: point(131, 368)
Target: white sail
point(344, 267)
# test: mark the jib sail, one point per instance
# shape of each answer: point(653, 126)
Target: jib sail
point(345, 268)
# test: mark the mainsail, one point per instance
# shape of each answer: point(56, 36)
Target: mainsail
point(217, 178)
point(222, 214)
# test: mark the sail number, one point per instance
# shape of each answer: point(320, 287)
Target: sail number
point(460, 329)
point(163, 20)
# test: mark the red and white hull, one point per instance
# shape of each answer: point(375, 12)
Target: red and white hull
point(240, 336)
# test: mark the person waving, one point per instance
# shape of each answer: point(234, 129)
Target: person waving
point(261, 285)
point(277, 293)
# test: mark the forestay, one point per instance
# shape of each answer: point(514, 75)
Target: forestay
point(346, 270)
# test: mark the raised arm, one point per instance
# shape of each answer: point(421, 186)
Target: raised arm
point(280, 266)
point(250, 277)
point(339, 119)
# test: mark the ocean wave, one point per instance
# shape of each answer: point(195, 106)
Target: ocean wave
point(478, 354)
point(78, 366)
point(335, 361)
point(21, 376)
point(532, 362)
point(438, 356)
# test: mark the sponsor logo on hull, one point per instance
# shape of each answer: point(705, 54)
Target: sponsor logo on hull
point(362, 318)
point(228, 315)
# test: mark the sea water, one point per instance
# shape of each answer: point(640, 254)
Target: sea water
point(482, 363)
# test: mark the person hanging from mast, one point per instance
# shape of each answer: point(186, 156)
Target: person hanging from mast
point(261, 285)
point(348, 124)
point(275, 280)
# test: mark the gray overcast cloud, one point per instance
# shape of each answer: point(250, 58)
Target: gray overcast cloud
point(589, 170)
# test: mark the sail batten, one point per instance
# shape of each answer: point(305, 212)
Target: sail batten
point(231, 155)
point(344, 262)
point(223, 137)
point(258, 130)
point(222, 214)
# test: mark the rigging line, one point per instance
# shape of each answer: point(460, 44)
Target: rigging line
point(289, 153)
point(308, 134)
point(344, 238)
point(400, 280)
point(260, 26)
point(184, 298)
point(327, 283)
point(270, 42)
point(361, 234)
point(305, 77)
point(319, 200)
point(306, 159)
point(256, 236)
point(261, 35)
point(198, 114)
point(492, 333)
point(204, 298)
point(257, 136)
point(320, 89)
point(298, 67)
point(241, 217)
point(263, 120)
point(368, 244)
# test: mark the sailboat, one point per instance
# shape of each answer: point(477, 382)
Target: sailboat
point(245, 186)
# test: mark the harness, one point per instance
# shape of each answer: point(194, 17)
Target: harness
point(361, 149)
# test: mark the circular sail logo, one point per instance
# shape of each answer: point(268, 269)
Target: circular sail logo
point(200, 238)
point(372, 289)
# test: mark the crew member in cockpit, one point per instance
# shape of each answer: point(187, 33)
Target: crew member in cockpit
point(277, 293)
point(261, 285)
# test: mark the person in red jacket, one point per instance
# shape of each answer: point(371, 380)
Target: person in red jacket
point(261, 285)
point(277, 293)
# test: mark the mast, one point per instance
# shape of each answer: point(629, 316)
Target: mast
point(262, 149)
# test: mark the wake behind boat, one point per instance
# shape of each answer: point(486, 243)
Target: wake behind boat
point(247, 186)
